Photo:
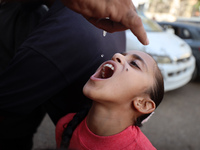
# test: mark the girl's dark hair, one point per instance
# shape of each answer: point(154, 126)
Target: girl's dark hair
point(68, 131)
point(156, 93)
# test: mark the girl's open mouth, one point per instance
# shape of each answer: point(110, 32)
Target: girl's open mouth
point(107, 71)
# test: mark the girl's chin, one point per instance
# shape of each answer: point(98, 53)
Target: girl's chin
point(88, 91)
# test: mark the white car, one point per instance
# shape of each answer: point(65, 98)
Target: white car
point(173, 55)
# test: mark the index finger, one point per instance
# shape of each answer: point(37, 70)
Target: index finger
point(133, 22)
point(111, 26)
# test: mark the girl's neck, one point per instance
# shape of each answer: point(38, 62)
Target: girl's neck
point(105, 121)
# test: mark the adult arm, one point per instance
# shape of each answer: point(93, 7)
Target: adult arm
point(121, 13)
point(29, 81)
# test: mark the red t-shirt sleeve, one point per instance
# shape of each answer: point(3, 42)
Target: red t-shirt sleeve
point(62, 123)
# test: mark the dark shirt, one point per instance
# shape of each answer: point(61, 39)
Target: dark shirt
point(54, 63)
point(17, 20)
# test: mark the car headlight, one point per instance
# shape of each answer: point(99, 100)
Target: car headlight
point(162, 59)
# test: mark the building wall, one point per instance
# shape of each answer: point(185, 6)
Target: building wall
point(169, 10)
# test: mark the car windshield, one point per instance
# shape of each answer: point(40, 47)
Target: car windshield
point(150, 25)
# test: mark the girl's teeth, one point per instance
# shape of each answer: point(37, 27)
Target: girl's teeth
point(108, 65)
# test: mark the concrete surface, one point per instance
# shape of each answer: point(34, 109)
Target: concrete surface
point(174, 126)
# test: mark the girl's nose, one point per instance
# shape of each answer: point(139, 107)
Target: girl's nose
point(119, 58)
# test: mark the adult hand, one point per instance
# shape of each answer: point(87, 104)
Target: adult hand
point(110, 15)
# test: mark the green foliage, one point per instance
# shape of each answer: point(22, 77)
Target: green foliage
point(197, 5)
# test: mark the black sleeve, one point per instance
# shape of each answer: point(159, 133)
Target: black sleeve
point(28, 82)
point(17, 21)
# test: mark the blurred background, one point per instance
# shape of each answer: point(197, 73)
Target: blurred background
point(169, 10)
point(173, 28)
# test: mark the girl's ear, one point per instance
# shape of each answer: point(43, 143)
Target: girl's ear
point(144, 105)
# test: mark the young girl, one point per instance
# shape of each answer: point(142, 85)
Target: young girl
point(125, 91)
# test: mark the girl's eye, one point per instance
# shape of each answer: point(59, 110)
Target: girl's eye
point(133, 63)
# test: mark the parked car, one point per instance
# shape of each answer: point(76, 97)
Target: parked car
point(190, 33)
point(173, 55)
point(189, 20)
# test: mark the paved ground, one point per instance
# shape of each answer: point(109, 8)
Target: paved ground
point(174, 126)
point(44, 139)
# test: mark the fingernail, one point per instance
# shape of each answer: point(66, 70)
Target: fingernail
point(147, 42)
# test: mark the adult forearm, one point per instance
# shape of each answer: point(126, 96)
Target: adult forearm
point(28, 82)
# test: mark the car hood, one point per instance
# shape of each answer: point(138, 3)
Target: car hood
point(164, 43)
point(161, 44)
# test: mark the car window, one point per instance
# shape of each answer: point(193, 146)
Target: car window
point(150, 25)
point(176, 30)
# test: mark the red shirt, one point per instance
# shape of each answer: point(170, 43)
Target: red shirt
point(131, 138)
